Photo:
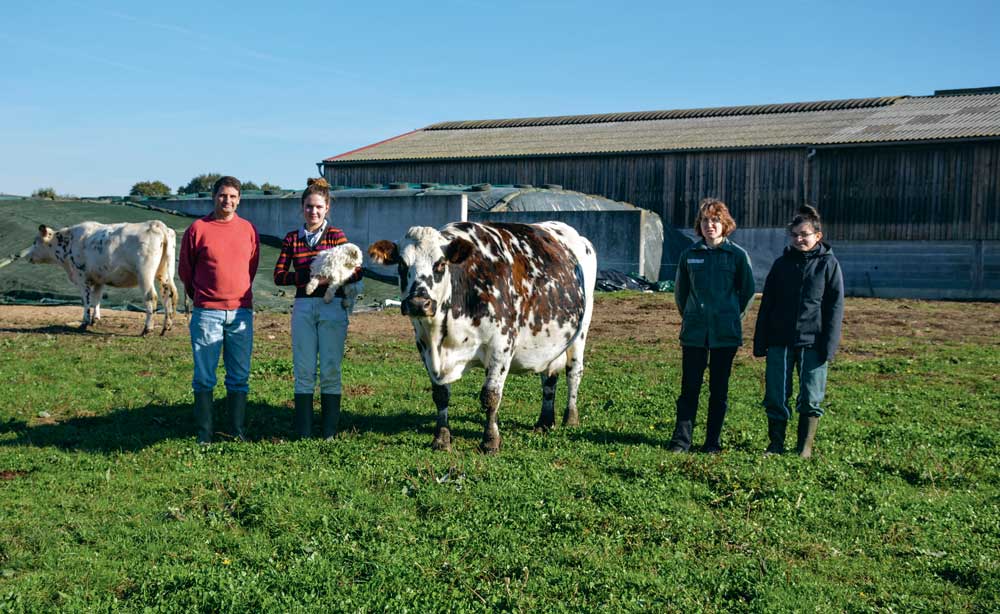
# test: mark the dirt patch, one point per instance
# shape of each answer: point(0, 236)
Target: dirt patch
point(640, 318)
point(12, 475)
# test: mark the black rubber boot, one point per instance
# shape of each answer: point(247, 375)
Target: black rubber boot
point(713, 431)
point(776, 433)
point(303, 418)
point(203, 416)
point(237, 403)
point(807, 433)
point(330, 405)
point(681, 440)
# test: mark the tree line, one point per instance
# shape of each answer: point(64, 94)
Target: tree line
point(200, 183)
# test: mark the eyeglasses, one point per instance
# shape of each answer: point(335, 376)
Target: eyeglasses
point(800, 235)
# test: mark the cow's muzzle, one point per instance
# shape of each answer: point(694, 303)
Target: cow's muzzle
point(418, 306)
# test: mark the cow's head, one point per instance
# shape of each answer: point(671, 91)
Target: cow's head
point(423, 258)
point(43, 249)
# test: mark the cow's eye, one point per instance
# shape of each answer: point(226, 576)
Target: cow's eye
point(440, 266)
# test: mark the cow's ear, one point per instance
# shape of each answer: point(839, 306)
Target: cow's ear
point(384, 252)
point(458, 250)
point(44, 231)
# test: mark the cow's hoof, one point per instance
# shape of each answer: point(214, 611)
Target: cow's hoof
point(491, 446)
point(543, 427)
point(144, 332)
point(571, 420)
point(442, 441)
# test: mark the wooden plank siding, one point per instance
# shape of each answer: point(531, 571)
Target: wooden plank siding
point(915, 192)
point(912, 193)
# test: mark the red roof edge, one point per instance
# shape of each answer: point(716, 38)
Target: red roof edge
point(347, 153)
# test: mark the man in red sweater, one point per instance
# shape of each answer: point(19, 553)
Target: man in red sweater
point(219, 256)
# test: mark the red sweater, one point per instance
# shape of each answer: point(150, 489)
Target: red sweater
point(219, 261)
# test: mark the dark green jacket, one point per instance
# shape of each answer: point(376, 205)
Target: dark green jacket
point(713, 290)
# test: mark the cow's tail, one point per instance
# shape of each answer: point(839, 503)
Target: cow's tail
point(165, 272)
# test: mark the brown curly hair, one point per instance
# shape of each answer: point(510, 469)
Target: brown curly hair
point(711, 208)
point(319, 186)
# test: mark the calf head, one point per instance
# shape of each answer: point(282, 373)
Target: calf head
point(423, 258)
point(43, 250)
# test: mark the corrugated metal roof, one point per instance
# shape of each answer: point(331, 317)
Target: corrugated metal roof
point(870, 120)
point(788, 107)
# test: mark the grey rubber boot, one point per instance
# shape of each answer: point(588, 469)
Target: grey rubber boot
point(303, 418)
point(681, 440)
point(203, 416)
point(237, 403)
point(776, 434)
point(330, 404)
point(807, 433)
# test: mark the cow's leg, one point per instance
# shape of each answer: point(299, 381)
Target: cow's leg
point(489, 398)
point(95, 302)
point(149, 302)
point(574, 372)
point(167, 297)
point(442, 434)
point(547, 419)
point(86, 294)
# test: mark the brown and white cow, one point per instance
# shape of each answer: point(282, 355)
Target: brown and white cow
point(508, 297)
point(119, 255)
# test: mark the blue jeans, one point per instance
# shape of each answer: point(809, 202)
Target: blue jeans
point(781, 364)
point(230, 333)
point(319, 330)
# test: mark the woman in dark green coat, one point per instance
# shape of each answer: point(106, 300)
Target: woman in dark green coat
point(713, 290)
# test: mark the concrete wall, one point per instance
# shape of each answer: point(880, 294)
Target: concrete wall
point(892, 269)
point(627, 241)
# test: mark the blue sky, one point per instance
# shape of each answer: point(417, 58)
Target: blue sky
point(95, 96)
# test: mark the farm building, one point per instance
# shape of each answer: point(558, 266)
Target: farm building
point(909, 186)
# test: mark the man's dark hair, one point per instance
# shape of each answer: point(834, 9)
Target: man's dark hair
point(226, 181)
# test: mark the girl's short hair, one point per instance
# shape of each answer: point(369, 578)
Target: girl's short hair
point(807, 214)
point(710, 208)
point(319, 186)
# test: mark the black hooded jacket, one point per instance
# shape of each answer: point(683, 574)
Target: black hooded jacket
point(803, 303)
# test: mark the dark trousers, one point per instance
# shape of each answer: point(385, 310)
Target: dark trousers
point(693, 362)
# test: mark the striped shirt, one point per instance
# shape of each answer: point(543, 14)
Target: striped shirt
point(292, 268)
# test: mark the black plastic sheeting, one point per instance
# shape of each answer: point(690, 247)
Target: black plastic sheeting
point(614, 281)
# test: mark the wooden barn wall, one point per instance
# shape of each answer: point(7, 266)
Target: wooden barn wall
point(760, 187)
point(920, 192)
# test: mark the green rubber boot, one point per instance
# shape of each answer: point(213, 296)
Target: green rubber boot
point(303, 418)
point(776, 435)
point(330, 404)
point(203, 416)
point(237, 402)
point(807, 434)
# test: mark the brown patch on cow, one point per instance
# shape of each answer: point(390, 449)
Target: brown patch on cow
point(527, 280)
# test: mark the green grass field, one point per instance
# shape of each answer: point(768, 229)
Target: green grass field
point(107, 504)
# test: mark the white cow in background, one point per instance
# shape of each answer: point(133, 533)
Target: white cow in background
point(118, 255)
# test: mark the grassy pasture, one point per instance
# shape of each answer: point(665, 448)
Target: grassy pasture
point(107, 504)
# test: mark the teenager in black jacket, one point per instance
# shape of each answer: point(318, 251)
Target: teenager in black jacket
point(798, 327)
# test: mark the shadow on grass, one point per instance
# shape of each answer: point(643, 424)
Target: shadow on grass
point(59, 329)
point(616, 438)
point(131, 430)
